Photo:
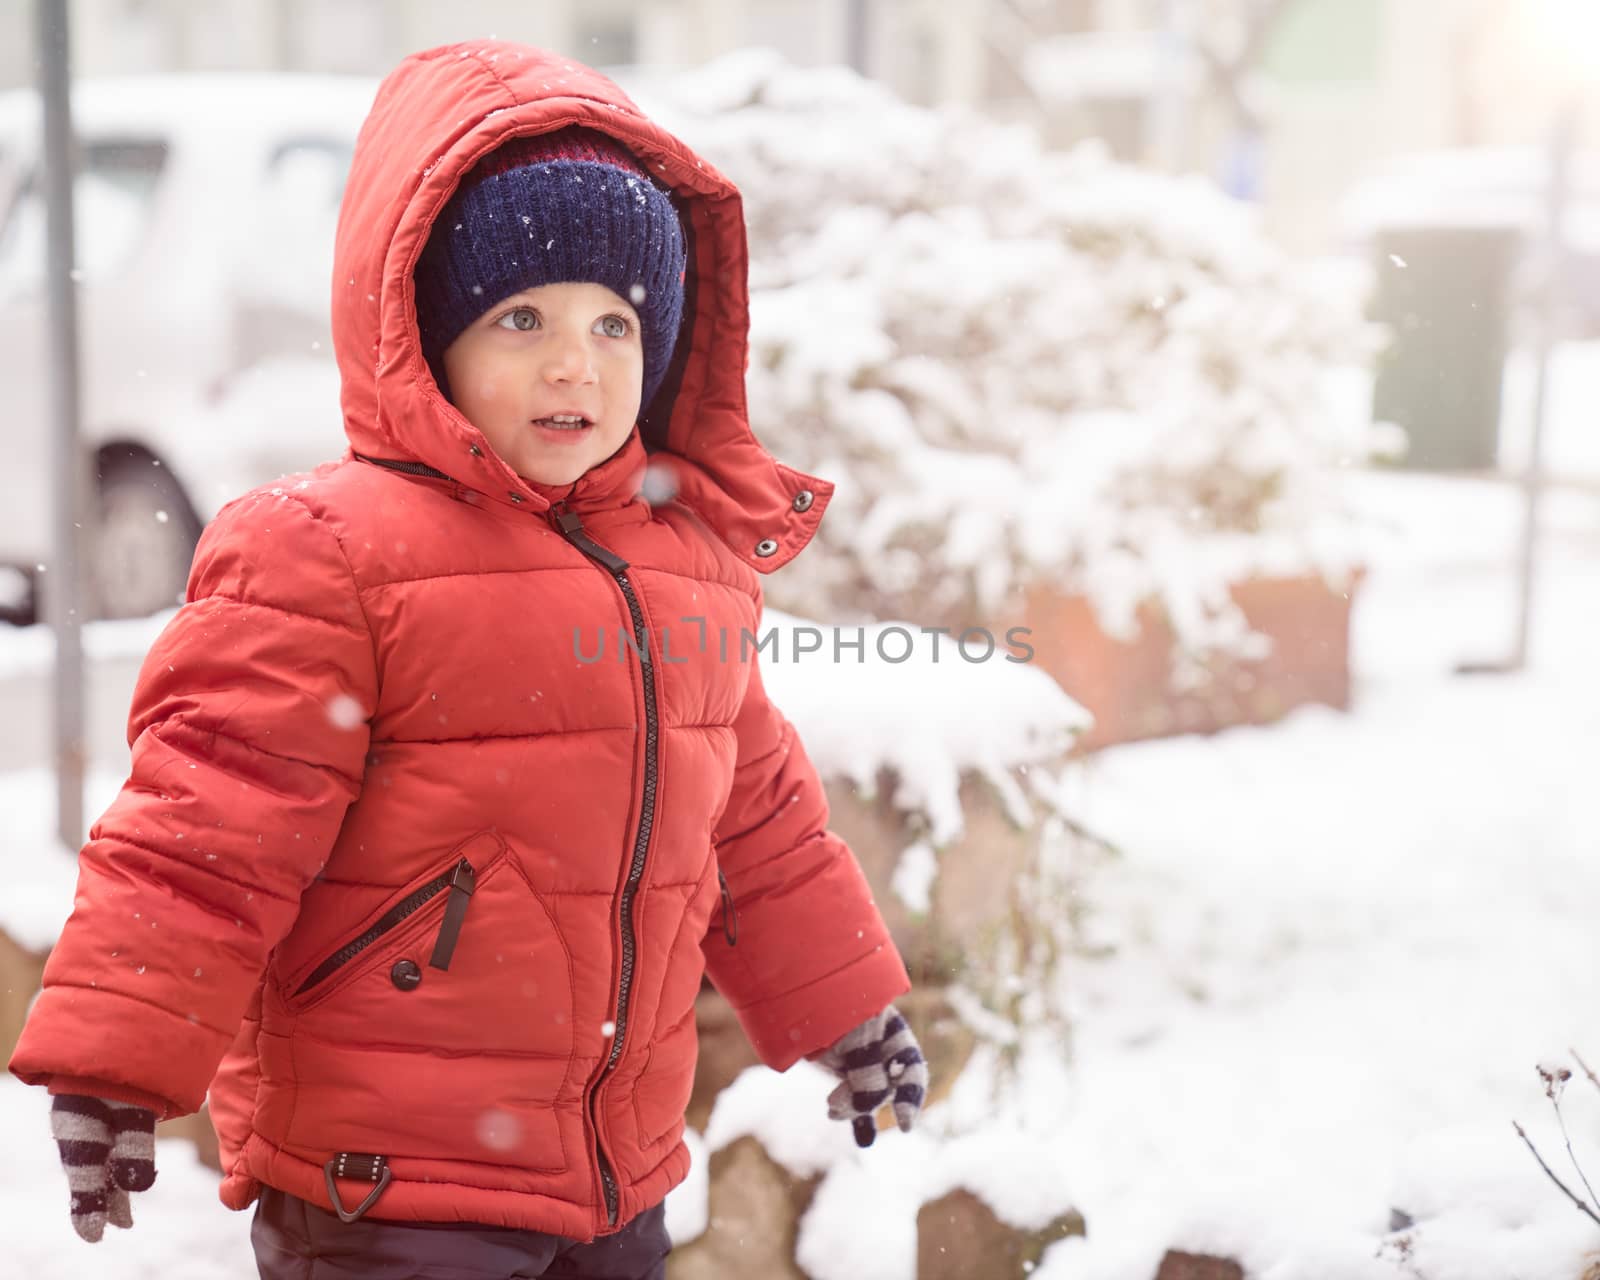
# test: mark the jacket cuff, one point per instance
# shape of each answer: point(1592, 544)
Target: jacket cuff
point(88, 1088)
point(809, 1021)
point(85, 1036)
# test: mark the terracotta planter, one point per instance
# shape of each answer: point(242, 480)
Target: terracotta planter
point(20, 972)
point(1128, 685)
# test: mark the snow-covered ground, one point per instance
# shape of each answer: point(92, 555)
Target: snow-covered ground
point(1344, 945)
point(1340, 947)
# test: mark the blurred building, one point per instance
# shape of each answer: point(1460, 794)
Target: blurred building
point(1284, 101)
point(928, 51)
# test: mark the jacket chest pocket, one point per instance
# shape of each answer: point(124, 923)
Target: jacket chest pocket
point(466, 957)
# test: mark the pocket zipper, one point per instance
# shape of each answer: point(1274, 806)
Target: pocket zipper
point(730, 917)
point(460, 880)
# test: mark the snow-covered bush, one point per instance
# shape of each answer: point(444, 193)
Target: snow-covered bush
point(1018, 363)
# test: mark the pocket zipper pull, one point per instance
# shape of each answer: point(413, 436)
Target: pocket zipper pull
point(462, 882)
point(730, 917)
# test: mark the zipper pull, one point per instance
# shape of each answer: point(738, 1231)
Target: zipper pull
point(567, 521)
point(730, 917)
point(462, 882)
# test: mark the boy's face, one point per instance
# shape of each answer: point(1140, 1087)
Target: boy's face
point(558, 349)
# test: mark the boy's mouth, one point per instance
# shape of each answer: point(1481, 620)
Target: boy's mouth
point(563, 422)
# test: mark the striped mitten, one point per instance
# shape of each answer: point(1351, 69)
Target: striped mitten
point(880, 1060)
point(108, 1149)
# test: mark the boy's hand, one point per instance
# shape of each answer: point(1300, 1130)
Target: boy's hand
point(879, 1059)
point(108, 1149)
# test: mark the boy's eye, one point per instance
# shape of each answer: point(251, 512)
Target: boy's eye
point(523, 318)
point(614, 326)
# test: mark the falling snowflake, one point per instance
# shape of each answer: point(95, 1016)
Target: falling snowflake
point(344, 712)
point(499, 1130)
point(660, 484)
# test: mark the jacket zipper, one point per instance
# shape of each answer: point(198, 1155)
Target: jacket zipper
point(571, 527)
point(408, 468)
point(461, 880)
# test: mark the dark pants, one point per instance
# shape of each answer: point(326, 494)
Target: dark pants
point(298, 1241)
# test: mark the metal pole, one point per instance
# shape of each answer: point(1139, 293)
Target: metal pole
point(1163, 108)
point(1562, 138)
point(61, 585)
point(855, 35)
point(282, 38)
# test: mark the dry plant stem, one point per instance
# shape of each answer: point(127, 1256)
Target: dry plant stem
point(1083, 833)
point(1592, 1078)
point(1572, 1155)
point(1570, 1196)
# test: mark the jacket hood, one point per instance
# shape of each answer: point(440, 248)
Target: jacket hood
point(433, 118)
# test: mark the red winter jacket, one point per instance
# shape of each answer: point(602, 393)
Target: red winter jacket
point(445, 888)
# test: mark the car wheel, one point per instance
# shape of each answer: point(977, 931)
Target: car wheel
point(143, 543)
point(19, 596)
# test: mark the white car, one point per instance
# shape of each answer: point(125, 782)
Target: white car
point(205, 217)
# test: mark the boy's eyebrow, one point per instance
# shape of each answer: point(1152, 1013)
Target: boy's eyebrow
point(511, 298)
point(517, 301)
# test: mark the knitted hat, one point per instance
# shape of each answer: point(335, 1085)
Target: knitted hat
point(572, 205)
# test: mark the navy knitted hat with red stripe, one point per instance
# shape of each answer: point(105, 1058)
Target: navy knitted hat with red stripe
point(572, 205)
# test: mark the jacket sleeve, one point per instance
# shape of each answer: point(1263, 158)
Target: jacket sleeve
point(249, 732)
point(812, 957)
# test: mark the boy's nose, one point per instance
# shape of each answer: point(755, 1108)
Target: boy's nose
point(569, 361)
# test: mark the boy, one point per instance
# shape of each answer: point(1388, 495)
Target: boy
point(448, 889)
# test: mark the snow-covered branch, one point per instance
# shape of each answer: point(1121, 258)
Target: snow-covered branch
point(1019, 363)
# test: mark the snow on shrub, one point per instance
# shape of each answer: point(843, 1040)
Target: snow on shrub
point(1021, 364)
